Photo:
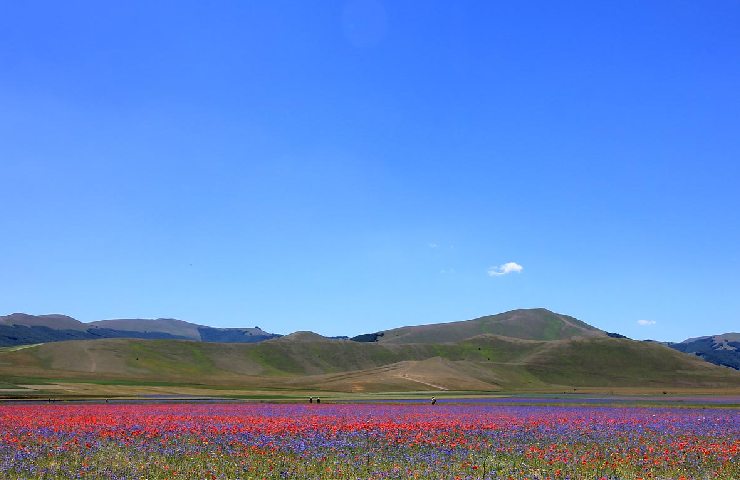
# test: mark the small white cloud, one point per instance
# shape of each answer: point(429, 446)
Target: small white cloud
point(505, 269)
point(432, 245)
point(646, 323)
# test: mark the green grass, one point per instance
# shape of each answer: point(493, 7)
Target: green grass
point(274, 360)
point(4, 385)
point(509, 364)
point(605, 362)
point(181, 358)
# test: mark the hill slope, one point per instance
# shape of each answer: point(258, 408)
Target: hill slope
point(528, 324)
point(526, 350)
point(485, 362)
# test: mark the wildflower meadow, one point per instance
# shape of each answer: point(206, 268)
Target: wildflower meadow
point(367, 441)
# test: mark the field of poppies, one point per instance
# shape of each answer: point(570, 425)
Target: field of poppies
point(455, 441)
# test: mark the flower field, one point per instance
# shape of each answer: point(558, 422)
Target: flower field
point(231, 441)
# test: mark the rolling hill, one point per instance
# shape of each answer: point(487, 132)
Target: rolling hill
point(483, 363)
point(528, 324)
point(521, 350)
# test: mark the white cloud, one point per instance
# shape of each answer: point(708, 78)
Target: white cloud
point(432, 245)
point(506, 268)
point(646, 323)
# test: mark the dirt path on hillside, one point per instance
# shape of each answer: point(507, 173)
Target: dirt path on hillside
point(406, 377)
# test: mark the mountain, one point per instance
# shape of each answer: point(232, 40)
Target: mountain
point(24, 329)
point(304, 336)
point(308, 362)
point(718, 349)
point(521, 350)
point(531, 324)
point(54, 321)
point(526, 324)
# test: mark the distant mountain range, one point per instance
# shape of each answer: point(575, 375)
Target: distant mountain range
point(536, 324)
point(718, 349)
point(24, 329)
point(521, 350)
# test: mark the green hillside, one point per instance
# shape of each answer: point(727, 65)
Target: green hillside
point(528, 324)
point(485, 362)
point(617, 362)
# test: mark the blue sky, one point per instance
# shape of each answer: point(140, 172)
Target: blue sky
point(347, 167)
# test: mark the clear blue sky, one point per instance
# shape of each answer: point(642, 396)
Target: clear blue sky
point(347, 167)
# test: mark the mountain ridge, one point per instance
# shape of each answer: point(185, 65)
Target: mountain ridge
point(24, 329)
point(536, 324)
point(722, 349)
point(533, 324)
point(527, 324)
